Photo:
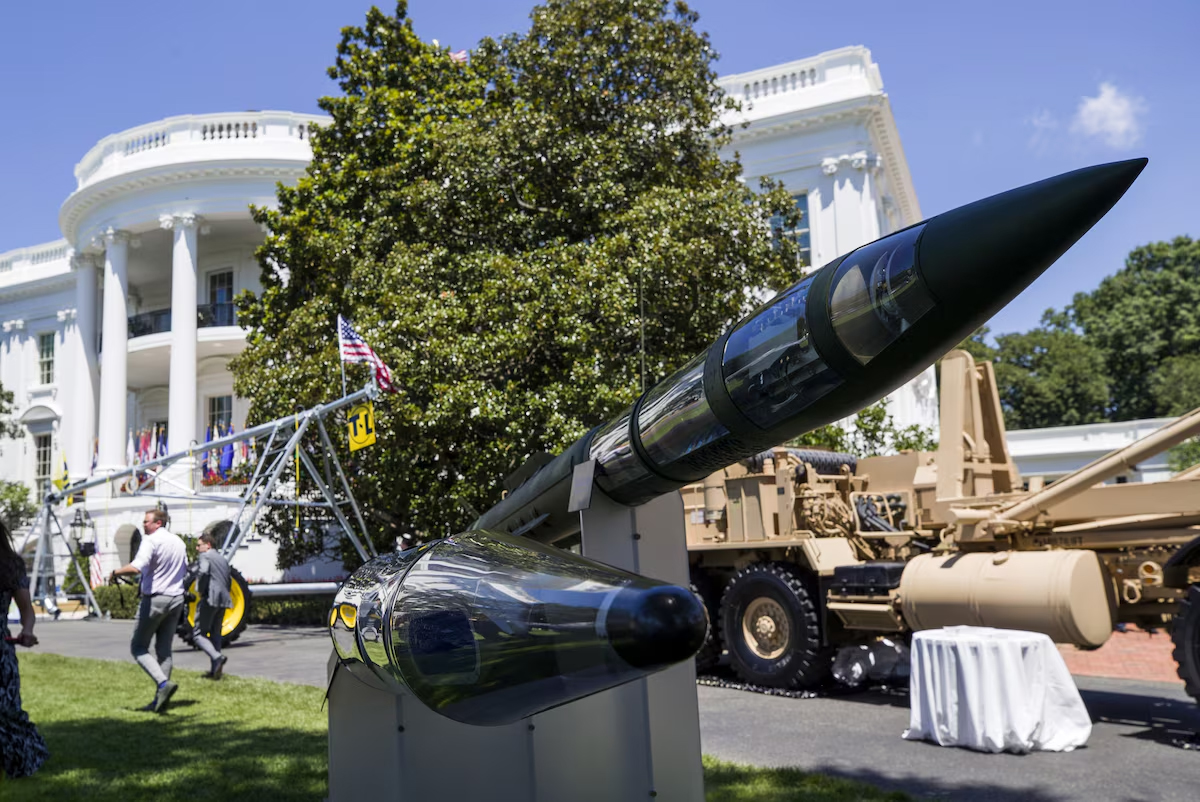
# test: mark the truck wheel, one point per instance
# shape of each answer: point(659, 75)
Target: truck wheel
point(710, 652)
point(237, 615)
point(770, 626)
point(1185, 633)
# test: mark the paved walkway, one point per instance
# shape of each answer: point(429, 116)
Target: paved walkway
point(1134, 654)
point(283, 654)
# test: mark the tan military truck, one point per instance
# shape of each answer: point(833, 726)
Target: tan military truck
point(800, 552)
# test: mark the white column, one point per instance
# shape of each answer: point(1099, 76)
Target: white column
point(79, 455)
point(181, 404)
point(116, 351)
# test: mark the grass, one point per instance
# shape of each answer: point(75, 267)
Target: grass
point(237, 739)
point(245, 740)
point(729, 782)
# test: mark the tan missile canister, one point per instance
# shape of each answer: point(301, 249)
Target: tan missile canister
point(1060, 593)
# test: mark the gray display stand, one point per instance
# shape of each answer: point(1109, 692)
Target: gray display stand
point(637, 741)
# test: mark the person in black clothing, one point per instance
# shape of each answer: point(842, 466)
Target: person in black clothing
point(22, 749)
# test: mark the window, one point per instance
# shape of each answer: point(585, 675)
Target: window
point(799, 234)
point(41, 467)
point(46, 358)
point(220, 415)
point(220, 297)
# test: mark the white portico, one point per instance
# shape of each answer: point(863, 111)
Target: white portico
point(161, 213)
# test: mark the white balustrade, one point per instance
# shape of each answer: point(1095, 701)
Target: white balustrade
point(778, 84)
point(37, 255)
point(267, 127)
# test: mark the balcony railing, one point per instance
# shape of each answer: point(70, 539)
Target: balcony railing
point(155, 322)
point(158, 321)
point(224, 314)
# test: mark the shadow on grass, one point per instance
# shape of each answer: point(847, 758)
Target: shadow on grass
point(933, 788)
point(165, 758)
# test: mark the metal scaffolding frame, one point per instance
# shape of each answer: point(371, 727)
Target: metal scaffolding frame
point(283, 442)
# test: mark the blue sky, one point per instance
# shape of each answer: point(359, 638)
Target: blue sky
point(985, 97)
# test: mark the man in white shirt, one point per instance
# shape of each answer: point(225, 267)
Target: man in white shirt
point(162, 561)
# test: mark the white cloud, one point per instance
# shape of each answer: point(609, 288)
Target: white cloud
point(1113, 116)
point(1044, 126)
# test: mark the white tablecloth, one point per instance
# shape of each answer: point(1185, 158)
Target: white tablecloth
point(994, 690)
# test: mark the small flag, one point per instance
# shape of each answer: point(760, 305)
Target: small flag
point(355, 349)
point(226, 464)
point(459, 56)
point(62, 479)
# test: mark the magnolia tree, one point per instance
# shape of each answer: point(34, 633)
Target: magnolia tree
point(528, 238)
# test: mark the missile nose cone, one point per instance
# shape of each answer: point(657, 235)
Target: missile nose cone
point(656, 627)
point(995, 247)
point(985, 253)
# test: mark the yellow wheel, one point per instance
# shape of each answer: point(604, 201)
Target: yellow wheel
point(236, 615)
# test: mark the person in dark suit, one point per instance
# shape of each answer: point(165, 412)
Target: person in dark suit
point(213, 586)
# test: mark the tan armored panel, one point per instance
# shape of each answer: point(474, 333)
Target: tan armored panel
point(1064, 594)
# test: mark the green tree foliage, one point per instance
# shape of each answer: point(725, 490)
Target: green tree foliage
point(8, 427)
point(977, 346)
point(506, 233)
point(874, 432)
point(1050, 376)
point(1184, 455)
point(1142, 318)
point(16, 504)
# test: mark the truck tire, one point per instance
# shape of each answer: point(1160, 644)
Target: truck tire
point(1185, 633)
point(770, 626)
point(237, 615)
point(710, 653)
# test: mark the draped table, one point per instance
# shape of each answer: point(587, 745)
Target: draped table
point(993, 690)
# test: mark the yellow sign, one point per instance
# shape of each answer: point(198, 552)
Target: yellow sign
point(362, 426)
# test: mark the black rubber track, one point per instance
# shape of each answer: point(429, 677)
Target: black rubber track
point(1185, 634)
point(806, 664)
point(706, 588)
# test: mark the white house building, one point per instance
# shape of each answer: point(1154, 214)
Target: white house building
point(823, 126)
point(125, 326)
point(1055, 451)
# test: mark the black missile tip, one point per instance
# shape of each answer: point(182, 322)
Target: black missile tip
point(653, 628)
point(984, 254)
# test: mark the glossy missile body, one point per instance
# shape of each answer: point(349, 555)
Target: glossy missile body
point(487, 629)
point(835, 342)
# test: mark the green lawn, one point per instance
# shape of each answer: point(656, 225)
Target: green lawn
point(243, 740)
point(237, 739)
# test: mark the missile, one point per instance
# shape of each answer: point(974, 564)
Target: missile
point(835, 342)
point(487, 628)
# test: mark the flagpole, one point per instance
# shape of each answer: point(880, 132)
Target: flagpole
point(341, 358)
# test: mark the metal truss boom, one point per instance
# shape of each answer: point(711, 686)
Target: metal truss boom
point(283, 437)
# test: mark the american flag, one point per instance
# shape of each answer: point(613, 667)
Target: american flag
point(355, 349)
point(96, 576)
point(460, 56)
